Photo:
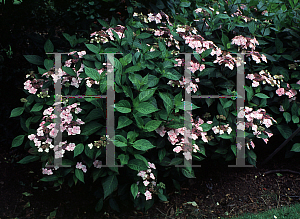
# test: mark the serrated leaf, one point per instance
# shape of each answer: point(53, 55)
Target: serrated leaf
point(78, 149)
point(109, 184)
point(152, 125)
point(92, 73)
point(143, 145)
point(123, 122)
point(145, 95)
point(123, 106)
point(137, 165)
point(120, 141)
point(146, 108)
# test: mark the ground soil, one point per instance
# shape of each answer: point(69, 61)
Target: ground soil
point(216, 190)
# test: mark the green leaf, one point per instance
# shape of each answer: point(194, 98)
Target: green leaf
point(99, 205)
point(188, 174)
point(134, 190)
point(123, 106)
point(17, 141)
point(162, 197)
point(285, 130)
point(48, 47)
point(140, 157)
point(143, 145)
point(49, 178)
point(172, 74)
point(72, 39)
point(93, 48)
point(145, 95)
point(168, 103)
point(109, 184)
point(296, 147)
point(225, 40)
point(176, 161)
point(103, 23)
point(124, 158)
point(120, 141)
point(29, 159)
point(17, 112)
point(95, 114)
point(48, 64)
point(152, 125)
point(79, 175)
point(144, 36)
point(287, 117)
point(161, 154)
point(227, 104)
point(261, 95)
point(249, 92)
point(133, 69)
point(146, 108)
point(123, 122)
point(279, 45)
point(137, 165)
point(206, 53)
point(78, 149)
point(69, 71)
point(37, 107)
point(126, 59)
point(252, 27)
point(91, 128)
point(92, 73)
point(34, 59)
point(295, 119)
point(185, 4)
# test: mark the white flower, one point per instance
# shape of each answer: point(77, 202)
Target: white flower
point(90, 145)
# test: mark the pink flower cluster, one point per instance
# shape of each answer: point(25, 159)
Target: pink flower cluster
point(102, 36)
point(146, 176)
point(259, 115)
point(42, 138)
point(80, 166)
point(244, 43)
point(97, 164)
point(33, 85)
point(266, 77)
point(173, 136)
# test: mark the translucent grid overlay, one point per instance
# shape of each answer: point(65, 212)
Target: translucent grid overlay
point(110, 148)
